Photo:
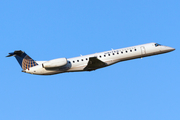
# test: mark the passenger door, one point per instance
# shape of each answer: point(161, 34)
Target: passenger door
point(143, 50)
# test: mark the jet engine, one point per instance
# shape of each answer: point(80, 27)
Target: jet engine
point(60, 62)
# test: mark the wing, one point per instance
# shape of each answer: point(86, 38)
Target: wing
point(94, 63)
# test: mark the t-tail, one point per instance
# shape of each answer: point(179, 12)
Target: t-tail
point(24, 60)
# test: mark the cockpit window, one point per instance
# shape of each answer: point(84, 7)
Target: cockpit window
point(157, 45)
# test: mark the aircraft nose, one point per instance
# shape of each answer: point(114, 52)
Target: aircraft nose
point(167, 49)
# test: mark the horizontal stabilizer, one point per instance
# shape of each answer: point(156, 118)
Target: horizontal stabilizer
point(10, 54)
point(17, 52)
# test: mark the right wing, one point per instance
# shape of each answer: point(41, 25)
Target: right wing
point(94, 63)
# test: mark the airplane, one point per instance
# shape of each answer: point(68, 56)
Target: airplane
point(88, 62)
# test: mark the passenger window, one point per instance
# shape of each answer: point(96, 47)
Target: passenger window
point(126, 51)
point(82, 59)
point(77, 60)
point(73, 61)
point(109, 54)
point(117, 52)
point(86, 59)
point(100, 56)
point(130, 50)
point(135, 50)
point(122, 52)
point(113, 53)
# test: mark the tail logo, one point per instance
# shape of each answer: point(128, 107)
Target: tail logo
point(28, 62)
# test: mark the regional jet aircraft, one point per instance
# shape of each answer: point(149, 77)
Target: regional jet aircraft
point(87, 62)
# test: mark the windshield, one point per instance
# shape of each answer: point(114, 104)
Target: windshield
point(157, 44)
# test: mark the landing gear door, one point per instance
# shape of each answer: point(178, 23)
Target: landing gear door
point(143, 50)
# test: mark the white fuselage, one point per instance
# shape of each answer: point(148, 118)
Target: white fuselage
point(109, 57)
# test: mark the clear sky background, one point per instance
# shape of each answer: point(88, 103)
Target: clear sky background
point(141, 89)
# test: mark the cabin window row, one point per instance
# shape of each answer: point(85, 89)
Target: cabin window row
point(81, 60)
point(108, 55)
point(118, 53)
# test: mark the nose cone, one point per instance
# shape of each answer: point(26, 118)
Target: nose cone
point(167, 49)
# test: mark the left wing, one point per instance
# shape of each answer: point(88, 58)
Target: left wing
point(94, 63)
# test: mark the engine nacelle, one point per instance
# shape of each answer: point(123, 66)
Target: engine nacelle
point(55, 63)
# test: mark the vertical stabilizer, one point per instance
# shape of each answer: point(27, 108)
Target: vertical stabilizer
point(23, 59)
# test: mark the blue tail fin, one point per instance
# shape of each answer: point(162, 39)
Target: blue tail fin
point(24, 60)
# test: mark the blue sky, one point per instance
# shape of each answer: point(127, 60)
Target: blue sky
point(141, 89)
